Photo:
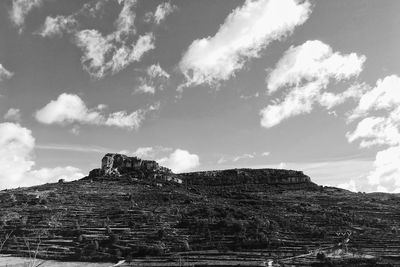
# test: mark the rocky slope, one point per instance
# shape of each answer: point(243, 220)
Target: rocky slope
point(240, 216)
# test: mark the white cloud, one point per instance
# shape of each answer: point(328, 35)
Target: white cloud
point(55, 27)
point(13, 114)
point(16, 163)
point(149, 152)
point(74, 148)
point(383, 127)
point(109, 54)
point(299, 101)
point(306, 71)
point(313, 61)
point(330, 100)
point(4, 73)
point(244, 156)
point(70, 108)
point(59, 25)
point(155, 71)
point(222, 160)
point(385, 95)
point(387, 170)
point(156, 78)
point(245, 32)
point(380, 126)
point(376, 131)
point(145, 88)
point(124, 120)
point(350, 185)
point(20, 9)
point(46, 175)
point(162, 11)
point(265, 154)
point(180, 161)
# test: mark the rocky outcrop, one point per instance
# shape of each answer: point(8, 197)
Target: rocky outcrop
point(114, 164)
point(117, 165)
point(245, 176)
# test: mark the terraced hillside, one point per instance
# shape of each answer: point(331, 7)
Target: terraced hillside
point(246, 217)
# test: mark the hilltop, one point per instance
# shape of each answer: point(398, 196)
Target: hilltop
point(135, 210)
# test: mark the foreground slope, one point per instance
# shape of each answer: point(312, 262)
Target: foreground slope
point(240, 216)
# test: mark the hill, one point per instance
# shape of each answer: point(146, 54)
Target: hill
point(140, 212)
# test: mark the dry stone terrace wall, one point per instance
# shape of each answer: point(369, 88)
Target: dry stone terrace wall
point(245, 176)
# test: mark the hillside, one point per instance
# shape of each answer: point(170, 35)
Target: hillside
point(149, 216)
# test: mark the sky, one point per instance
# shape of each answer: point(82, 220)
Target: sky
point(201, 85)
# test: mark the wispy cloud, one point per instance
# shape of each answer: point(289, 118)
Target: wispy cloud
point(74, 148)
point(13, 114)
point(4, 73)
point(161, 13)
point(103, 54)
point(20, 9)
point(155, 78)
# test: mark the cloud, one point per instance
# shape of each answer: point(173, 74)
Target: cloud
point(156, 77)
point(305, 71)
point(20, 9)
point(13, 114)
point(4, 73)
point(180, 161)
point(310, 62)
point(244, 156)
point(122, 119)
point(70, 108)
point(55, 27)
point(376, 131)
point(162, 11)
point(245, 32)
point(109, 54)
point(16, 163)
point(265, 154)
point(350, 185)
point(149, 152)
point(46, 175)
point(379, 111)
point(235, 158)
point(384, 96)
point(387, 170)
point(330, 100)
point(59, 25)
point(74, 148)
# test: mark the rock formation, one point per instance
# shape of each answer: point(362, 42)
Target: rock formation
point(116, 165)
